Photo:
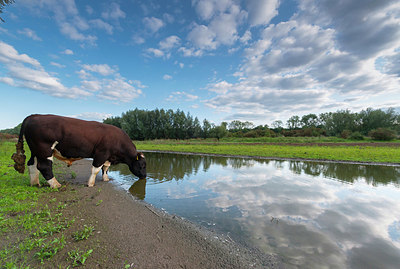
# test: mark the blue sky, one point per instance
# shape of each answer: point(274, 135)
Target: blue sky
point(224, 60)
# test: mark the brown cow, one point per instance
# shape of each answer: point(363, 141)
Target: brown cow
point(70, 139)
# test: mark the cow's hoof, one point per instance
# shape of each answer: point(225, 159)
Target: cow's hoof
point(54, 184)
point(90, 185)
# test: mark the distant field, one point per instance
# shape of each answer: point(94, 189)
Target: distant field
point(335, 149)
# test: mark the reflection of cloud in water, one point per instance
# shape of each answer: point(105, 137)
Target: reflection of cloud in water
point(319, 221)
point(292, 208)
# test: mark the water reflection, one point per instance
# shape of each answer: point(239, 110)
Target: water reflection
point(300, 210)
point(138, 189)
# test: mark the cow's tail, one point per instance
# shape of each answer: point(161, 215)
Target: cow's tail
point(19, 157)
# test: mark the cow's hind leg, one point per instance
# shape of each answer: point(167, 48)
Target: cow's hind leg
point(33, 171)
point(45, 167)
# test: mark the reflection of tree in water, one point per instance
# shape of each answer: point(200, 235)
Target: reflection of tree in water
point(372, 174)
point(166, 166)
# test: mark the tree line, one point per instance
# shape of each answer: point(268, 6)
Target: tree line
point(169, 124)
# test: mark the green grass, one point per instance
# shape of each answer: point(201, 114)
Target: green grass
point(336, 153)
point(31, 230)
point(83, 234)
point(79, 257)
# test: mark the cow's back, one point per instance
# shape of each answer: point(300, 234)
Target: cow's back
point(73, 137)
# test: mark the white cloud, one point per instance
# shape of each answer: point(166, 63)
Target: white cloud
point(206, 9)
point(68, 52)
point(57, 65)
point(96, 116)
point(222, 19)
point(138, 39)
point(167, 77)
point(118, 89)
point(114, 12)
point(7, 80)
point(27, 72)
point(169, 42)
point(9, 55)
point(181, 96)
point(66, 15)
point(325, 56)
point(30, 33)
point(100, 24)
point(153, 24)
point(202, 37)
point(155, 52)
point(73, 33)
point(262, 11)
point(102, 69)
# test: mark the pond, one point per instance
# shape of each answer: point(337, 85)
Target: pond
point(312, 214)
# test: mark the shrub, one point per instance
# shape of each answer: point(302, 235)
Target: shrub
point(382, 134)
point(345, 134)
point(356, 136)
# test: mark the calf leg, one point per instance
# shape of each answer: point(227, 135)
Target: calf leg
point(33, 171)
point(45, 167)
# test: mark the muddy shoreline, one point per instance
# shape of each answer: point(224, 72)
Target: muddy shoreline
point(132, 232)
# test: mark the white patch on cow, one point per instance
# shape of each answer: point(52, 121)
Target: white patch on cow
point(92, 178)
point(54, 183)
point(106, 165)
point(54, 145)
point(34, 173)
point(53, 149)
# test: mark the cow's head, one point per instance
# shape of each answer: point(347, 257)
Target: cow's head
point(138, 166)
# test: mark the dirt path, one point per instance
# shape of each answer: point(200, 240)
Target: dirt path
point(132, 234)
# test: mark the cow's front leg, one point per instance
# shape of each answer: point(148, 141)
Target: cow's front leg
point(105, 171)
point(45, 167)
point(92, 178)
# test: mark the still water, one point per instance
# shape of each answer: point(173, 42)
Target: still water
point(312, 214)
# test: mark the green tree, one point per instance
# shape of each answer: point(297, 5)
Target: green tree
point(309, 120)
point(293, 122)
point(206, 128)
point(3, 4)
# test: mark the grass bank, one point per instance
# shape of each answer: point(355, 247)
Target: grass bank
point(318, 149)
point(36, 230)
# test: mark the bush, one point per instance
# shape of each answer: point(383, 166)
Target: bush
point(356, 136)
point(382, 134)
point(345, 134)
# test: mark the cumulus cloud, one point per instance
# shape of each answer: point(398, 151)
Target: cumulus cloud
point(262, 11)
point(68, 52)
point(9, 55)
point(153, 24)
point(100, 24)
point(169, 42)
point(114, 12)
point(26, 72)
point(102, 69)
point(66, 15)
point(327, 49)
point(167, 77)
point(220, 26)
